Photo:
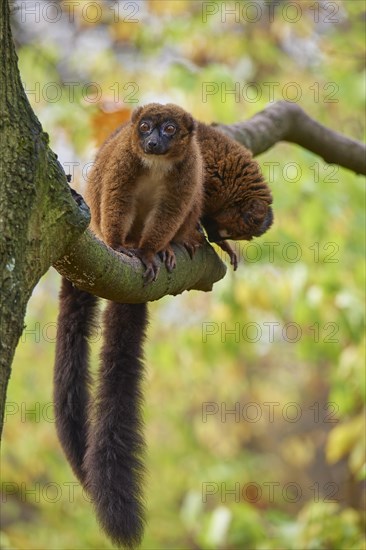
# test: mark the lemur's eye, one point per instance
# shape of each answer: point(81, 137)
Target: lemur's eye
point(144, 127)
point(170, 129)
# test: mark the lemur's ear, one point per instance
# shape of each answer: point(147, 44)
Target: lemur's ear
point(136, 113)
point(190, 123)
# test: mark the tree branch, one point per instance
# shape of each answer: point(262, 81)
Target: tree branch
point(96, 268)
point(285, 121)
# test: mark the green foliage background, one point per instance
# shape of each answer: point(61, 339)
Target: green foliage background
point(286, 469)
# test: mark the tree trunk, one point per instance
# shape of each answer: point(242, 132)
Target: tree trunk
point(32, 188)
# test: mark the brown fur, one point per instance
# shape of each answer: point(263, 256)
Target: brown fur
point(147, 201)
point(237, 199)
point(144, 202)
point(140, 201)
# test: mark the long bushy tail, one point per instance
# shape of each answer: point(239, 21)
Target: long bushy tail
point(114, 458)
point(76, 323)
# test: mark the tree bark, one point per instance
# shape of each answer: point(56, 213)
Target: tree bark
point(34, 214)
point(285, 121)
point(98, 269)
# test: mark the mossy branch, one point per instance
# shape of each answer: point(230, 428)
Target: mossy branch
point(286, 121)
point(93, 266)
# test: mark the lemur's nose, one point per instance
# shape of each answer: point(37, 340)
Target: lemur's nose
point(152, 144)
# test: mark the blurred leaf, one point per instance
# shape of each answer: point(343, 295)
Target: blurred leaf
point(346, 437)
point(105, 122)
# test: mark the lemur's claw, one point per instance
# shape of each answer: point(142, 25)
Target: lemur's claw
point(127, 251)
point(191, 248)
point(167, 256)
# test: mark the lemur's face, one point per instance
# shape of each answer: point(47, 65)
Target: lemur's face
point(240, 224)
point(156, 138)
point(162, 130)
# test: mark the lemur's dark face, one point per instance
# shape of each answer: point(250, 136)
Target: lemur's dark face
point(156, 138)
point(239, 225)
point(162, 130)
